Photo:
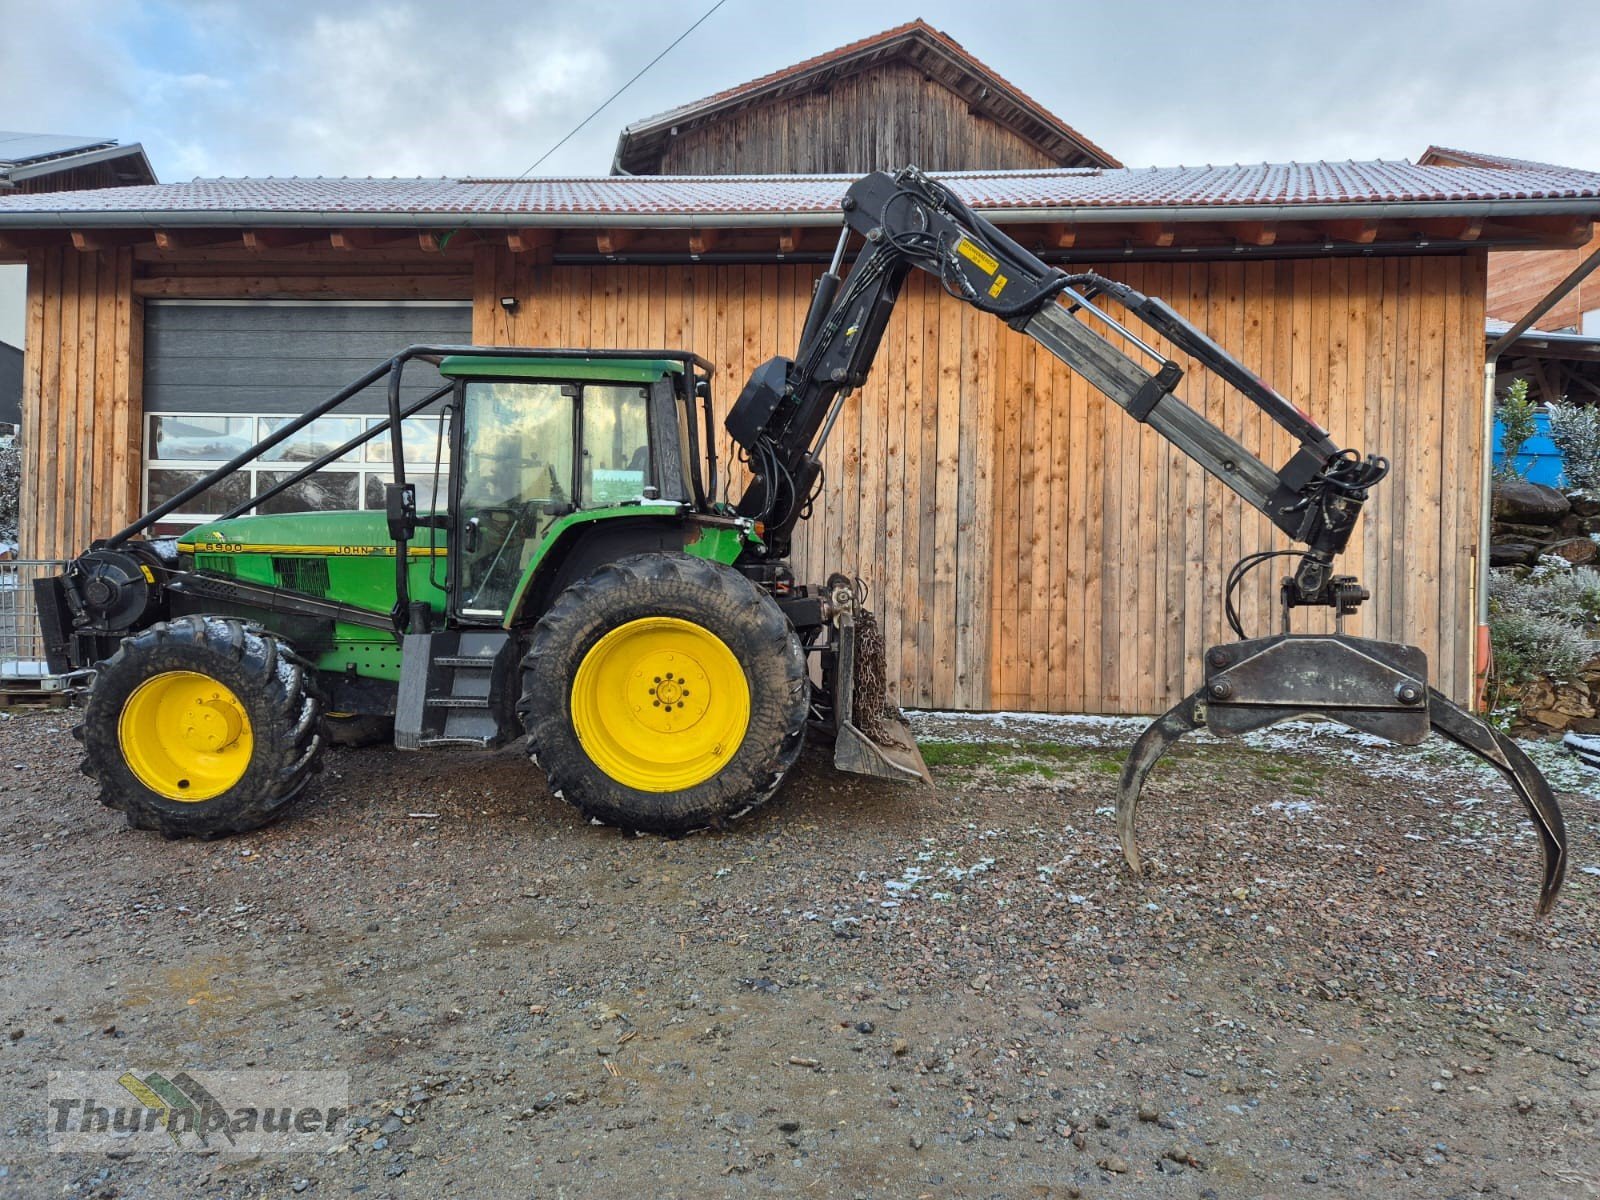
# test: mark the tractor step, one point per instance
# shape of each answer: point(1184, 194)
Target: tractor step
point(457, 688)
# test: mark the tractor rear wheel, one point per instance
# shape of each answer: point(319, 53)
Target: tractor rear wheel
point(665, 693)
point(201, 726)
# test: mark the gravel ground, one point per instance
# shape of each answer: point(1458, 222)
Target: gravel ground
point(1330, 985)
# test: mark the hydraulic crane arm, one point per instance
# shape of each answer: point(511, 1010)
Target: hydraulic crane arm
point(909, 221)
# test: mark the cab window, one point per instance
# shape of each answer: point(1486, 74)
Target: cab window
point(516, 474)
point(616, 445)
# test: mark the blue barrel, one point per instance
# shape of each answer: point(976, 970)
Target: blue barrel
point(1538, 461)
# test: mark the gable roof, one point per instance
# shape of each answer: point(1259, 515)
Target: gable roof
point(25, 156)
point(1444, 156)
point(641, 144)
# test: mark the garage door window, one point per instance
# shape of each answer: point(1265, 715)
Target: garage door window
point(221, 374)
point(182, 447)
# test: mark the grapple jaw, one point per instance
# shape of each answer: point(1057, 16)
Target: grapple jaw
point(1379, 688)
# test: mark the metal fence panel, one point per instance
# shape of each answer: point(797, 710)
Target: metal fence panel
point(22, 656)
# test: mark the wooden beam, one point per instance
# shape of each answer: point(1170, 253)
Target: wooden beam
point(1058, 235)
point(180, 239)
point(613, 241)
point(24, 240)
point(88, 240)
point(309, 247)
point(258, 241)
point(1549, 382)
point(1584, 383)
point(331, 287)
point(437, 242)
point(366, 239)
point(540, 243)
point(1560, 230)
point(788, 241)
point(703, 241)
point(1256, 233)
point(1154, 233)
point(1449, 229)
point(1361, 232)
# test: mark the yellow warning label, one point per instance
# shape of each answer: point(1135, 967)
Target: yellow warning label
point(978, 256)
point(149, 575)
point(998, 287)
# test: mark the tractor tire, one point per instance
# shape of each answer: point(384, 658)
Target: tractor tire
point(664, 694)
point(200, 727)
point(351, 731)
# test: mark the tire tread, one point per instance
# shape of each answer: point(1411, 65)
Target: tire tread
point(288, 744)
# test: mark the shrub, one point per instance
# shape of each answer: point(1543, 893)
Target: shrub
point(1575, 429)
point(1527, 645)
point(1567, 595)
point(1539, 623)
point(1516, 421)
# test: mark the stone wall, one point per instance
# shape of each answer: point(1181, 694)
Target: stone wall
point(1544, 707)
point(1531, 519)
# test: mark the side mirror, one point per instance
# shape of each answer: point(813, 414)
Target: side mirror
point(400, 506)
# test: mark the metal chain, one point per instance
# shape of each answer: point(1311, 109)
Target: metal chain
point(872, 681)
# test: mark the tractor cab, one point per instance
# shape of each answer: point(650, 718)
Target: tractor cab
point(540, 441)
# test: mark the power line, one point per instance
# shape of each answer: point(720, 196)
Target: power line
point(623, 88)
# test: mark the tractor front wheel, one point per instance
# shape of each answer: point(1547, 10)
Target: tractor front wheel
point(664, 693)
point(201, 726)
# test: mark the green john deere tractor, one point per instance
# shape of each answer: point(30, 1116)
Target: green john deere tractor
point(574, 581)
point(575, 577)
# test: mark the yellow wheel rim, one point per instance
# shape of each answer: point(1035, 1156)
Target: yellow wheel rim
point(660, 704)
point(185, 736)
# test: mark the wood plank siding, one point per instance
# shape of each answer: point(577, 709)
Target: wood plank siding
point(81, 411)
point(1029, 546)
point(1518, 281)
point(1032, 547)
point(873, 120)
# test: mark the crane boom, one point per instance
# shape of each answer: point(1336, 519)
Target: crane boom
point(909, 221)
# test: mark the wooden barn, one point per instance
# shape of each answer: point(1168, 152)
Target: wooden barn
point(1029, 545)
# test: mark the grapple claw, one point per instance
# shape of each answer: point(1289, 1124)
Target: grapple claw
point(1375, 687)
point(1503, 754)
point(1158, 737)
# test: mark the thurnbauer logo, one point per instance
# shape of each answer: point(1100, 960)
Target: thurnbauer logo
point(180, 1104)
point(294, 1111)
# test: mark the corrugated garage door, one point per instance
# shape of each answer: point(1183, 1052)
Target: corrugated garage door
point(220, 375)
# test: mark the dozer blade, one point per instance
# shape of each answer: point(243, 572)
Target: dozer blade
point(893, 756)
point(1375, 687)
point(889, 752)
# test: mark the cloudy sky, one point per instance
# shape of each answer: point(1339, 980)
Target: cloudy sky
point(484, 87)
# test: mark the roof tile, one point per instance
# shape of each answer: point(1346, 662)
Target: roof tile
point(1184, 187)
